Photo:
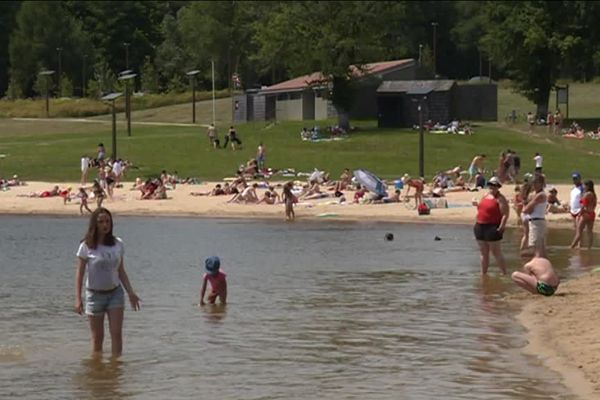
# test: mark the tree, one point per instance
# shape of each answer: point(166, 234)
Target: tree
point(8, 10)
point(149, 77)
point(327, 37)
point(532, 40)
point(42, 27)
point(171, 60)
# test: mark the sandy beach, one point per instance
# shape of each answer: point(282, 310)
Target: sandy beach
point(181, 203)
point(561, 329)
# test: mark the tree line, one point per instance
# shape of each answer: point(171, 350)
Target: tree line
point(87, 43)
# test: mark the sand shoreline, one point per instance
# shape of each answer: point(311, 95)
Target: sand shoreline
point(551, 339)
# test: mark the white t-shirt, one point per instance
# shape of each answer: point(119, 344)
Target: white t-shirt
point(538, 161)
point(102, 264)
point(576, 193)
point(117, 168)
point(85, 164)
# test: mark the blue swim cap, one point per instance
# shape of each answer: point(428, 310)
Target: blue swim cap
point(212, 264)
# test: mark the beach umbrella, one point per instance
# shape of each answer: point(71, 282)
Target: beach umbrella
point(370, 181)
point(316, 176)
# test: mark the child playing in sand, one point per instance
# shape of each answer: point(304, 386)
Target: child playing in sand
point(217, 280)
point(289, 199)
point(538, 277)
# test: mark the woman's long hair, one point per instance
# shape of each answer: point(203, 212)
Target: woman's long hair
point(589, 186)
point(91, 237)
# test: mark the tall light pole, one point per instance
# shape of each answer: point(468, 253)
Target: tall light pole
point(421, 141)
point(420, 54)
point(213, 90)
point(192, 75)
point(112, 97)
point(47, 74)
point(434, 24)
point(126, 76)
point(126, 54)
point(59, 51)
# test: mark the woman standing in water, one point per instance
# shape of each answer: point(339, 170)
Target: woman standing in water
point(587, 215)
point(102, 254)
point(492, 214)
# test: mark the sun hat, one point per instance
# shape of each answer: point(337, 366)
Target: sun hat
point(212, 264)
point(494, 181)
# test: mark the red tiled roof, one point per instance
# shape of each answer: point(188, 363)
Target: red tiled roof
point(305, 81)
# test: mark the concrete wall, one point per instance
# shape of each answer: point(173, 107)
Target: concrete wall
point(308, 105)
point(477, 102)
point(288, 110)
point(321, 106)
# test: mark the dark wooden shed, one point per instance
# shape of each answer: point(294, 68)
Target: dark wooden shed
point(398, 101)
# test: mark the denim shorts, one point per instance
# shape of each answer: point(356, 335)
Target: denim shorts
point(97, 303)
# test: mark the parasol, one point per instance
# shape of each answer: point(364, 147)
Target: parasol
point(371, 182)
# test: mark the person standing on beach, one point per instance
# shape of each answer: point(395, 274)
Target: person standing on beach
point(492, 214)
point(538, 277)
point(100, 253)
point(289, 199)
point(535, 209)
point(575, 198)
point(587, 215)
point(85, 167)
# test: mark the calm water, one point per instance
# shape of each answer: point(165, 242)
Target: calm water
point(317, 310)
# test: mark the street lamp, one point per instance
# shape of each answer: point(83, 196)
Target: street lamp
point(59, 51)
point(126, 76)
point(47, 74)
point(434, 24)
point(192, 75)
point(112, 97)
point(420, 54)
point(126, 54)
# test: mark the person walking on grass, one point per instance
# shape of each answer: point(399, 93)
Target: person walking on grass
point(233, 138)
point(492, 214)
point(212, 136)
point(539, 161)
point(100, 254)
point(261, 155)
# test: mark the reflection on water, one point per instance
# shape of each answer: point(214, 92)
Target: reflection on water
point(214, 313)
point(328, 311)
point(100, 379)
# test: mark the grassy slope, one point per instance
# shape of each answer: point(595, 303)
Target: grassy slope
point(387, 152)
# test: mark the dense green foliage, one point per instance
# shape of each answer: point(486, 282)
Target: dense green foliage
point(534, 43)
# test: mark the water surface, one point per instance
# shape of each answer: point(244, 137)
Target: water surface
point(316, 310)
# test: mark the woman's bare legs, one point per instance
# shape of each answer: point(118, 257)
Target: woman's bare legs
point(484, 250)
point(497, 252)
point(115, 323)
point(97, 330)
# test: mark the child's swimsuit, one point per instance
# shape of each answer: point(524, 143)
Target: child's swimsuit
point(544, 289)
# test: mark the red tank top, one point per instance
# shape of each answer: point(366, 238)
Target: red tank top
point(488, 212)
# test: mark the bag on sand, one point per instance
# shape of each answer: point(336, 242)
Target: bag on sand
point(423, 209)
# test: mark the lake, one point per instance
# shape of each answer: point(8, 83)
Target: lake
point(322, 309)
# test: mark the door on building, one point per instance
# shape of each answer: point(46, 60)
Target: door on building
point(389, 110)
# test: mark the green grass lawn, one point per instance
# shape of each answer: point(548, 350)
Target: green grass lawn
point(42, 151)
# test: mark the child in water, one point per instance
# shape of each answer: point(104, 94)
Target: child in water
point(217, 280)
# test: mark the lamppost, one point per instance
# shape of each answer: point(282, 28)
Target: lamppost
point(420, 54)
point(434, 24)
point(59, 51)
point(212, 62)
point(192, 75)
point(126, 76)
point(112, 97)
point(47, 74)
point(126, 54)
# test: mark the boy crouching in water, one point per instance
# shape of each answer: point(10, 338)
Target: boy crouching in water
point(217, 280)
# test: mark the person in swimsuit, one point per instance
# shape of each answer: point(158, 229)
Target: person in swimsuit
point(419, 186)
point(217, 280)
point(492, 214)
point(536, 212)
point(587, 215)
point(538, 277)
point(476, 166)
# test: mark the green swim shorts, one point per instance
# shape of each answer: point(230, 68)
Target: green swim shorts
point(544, 289)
